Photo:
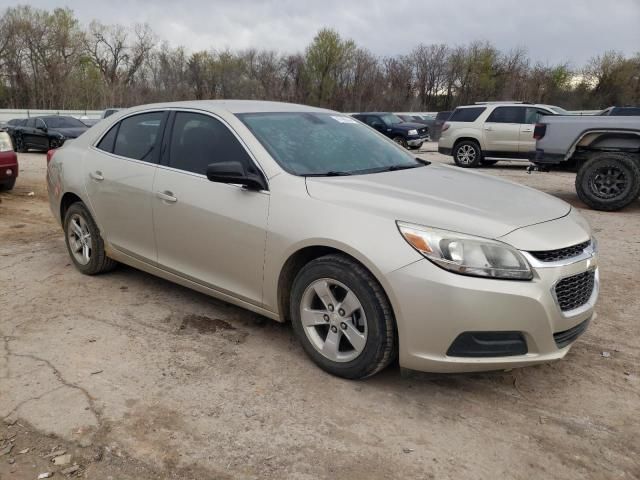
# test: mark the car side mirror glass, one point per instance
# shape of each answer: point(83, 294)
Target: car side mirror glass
point(234, 172)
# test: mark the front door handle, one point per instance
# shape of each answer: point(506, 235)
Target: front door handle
point(527, 130)
point(97, 175)
point(488, 128)
point(167, 196)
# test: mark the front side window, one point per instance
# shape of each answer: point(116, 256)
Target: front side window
point(137, 136)
point(40, 124)
point(391, 119)
point(199, 140)
point(507, 115)
point(305, 143)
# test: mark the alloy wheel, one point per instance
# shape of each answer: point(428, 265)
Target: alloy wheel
point(608, 182)
point(466, 154)
point(80, 241)
point(333, 320)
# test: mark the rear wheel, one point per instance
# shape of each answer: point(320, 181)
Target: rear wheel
point(467, 154)
point(342, 317)
point(608, 180)
point(84, 243)
point(20, 145)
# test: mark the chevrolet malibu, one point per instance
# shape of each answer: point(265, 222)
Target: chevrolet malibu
point(309, 216)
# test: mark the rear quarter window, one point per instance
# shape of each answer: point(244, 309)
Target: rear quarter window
point(466, 114)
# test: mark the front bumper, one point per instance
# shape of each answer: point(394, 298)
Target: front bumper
point(416, 141)
point(434, 307)
point(8, 165)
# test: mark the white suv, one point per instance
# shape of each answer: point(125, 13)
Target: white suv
point(484, 133)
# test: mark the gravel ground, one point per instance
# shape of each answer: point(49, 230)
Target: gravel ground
point(137, 378)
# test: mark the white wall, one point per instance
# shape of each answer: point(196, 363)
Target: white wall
point(6, 114)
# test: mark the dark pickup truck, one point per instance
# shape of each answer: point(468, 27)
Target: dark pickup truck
point(407, 134)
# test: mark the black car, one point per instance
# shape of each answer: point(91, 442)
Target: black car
point(407, 134)
point(45, 133)
point(621, 112)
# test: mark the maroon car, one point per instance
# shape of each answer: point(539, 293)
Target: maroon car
point(8, 162)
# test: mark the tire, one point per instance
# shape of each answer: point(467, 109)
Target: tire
point(467, 154)
point(401, 141)
point(488, 163)
point(609, 180)
point(96, 261)
point(20, 146)
point(371, 321)
point(6, 186)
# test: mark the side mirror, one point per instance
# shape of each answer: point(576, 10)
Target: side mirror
point(41, 128)
point(234, 172)
point(377, 126)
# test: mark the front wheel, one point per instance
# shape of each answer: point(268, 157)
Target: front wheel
point(608, 181)
point(401, 141)
point(467, 154)
point(20, 145)
point(8, 185)
point(84, 242)
point(342, 317)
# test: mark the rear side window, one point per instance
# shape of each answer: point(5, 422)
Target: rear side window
point(109, 140)
point(137, 136)
point(626, 112)
point(466, 114)
point(198, 140)
point(507, 115)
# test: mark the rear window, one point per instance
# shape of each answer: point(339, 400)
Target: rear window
point(466, 114)
point(443, 115)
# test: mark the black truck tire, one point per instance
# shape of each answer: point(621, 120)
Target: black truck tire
point(609, 180)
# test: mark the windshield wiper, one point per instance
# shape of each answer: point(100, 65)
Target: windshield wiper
point(393, 168)
point(330, 173)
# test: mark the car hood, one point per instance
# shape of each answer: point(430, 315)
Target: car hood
point(72, 132)
point(443, 197)
point(408, 125)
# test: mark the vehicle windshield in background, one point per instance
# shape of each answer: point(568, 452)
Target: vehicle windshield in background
point(325, 144)
point(63, 122)
point(390, 119)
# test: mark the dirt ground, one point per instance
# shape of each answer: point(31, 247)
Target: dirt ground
point(137, 378)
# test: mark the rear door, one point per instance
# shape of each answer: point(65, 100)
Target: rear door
point(532, 116)
point(28, 133)
point(502, 130)
point(119, 173)
point(211, 233)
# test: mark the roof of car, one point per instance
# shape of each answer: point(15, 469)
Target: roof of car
point(236, 106)
point(374, 113)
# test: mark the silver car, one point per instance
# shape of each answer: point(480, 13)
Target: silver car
point(306, 215)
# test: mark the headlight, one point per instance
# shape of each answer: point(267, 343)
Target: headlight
point(465, 254)
point(412, 132)
point(5, 142)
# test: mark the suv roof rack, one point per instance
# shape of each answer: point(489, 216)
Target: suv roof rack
point(503, 102)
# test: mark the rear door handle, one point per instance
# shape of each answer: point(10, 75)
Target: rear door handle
point(167, 196)
point(527, 130)
point(97, 175)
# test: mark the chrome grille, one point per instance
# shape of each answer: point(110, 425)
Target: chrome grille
point(575, 291)
point(561, 253)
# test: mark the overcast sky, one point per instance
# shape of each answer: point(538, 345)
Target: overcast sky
point(552, 30)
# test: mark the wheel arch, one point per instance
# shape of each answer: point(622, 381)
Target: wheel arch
point(606, 140)
point(466, 138)
point(305, 254)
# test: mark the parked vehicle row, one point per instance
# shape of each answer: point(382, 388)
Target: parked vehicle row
point(408, 134)
point(308, 215)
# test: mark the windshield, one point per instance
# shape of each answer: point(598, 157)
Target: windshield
point(391, 119)
point(559, 110)
point(63, 122)
point(325, 144)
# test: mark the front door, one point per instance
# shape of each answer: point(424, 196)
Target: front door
point(211, 233)
point(119, 178)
